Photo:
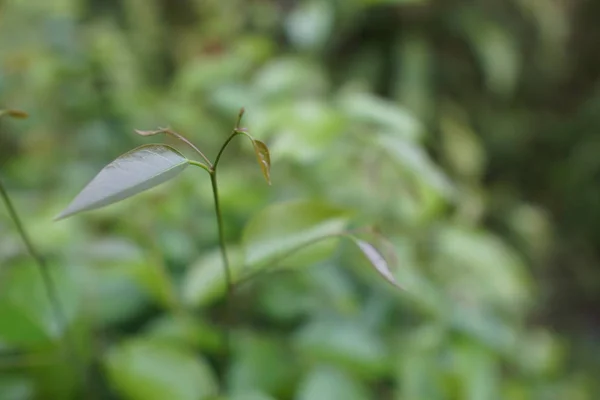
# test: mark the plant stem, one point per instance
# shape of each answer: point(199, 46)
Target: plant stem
point(226, 265)
point(229, 139)
point(228, 277)
point(199, 164)
point(49, 284)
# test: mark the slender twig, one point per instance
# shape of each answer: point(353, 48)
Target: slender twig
point(171, 132)
point(233, 134)
point(199, 164)
point(49, 284)
point(184, 140)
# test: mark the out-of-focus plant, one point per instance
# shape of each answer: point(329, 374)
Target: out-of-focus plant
point(47, 276)
point(150, 165)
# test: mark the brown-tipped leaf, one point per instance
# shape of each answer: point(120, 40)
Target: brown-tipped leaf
point(133, 172)
point(264, 158)
point(14, 113)
point(376, 260)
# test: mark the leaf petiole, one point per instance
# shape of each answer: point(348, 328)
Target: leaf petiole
point(199, 164)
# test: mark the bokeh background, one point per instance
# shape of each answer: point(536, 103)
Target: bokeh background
point(467, 132)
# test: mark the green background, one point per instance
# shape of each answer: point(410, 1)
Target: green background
point(467, 132)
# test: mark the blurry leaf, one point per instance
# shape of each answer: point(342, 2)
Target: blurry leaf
point(462, 148)
point(309, 25)
point(478, 267)
point(376, 260)
point(250, 396)
point(133, 172)
point(186, 330)
point(264, 158)
point(367, 108)
point(540, 353)
point(205, 279)
point(415, 83)
point(419, 376)
point(283, 78)
point(152, 276)
point(246, 396)
point(16, 388)
point(114, 296)
point(285, 227)
point(478, 371)
point(143, 369)
point(27, 317)
point(14, 113)
point(395, 1)
point(306, 129)
point(497, 51)
point(415, 160)
point(484, 327)
point(327, 383)
point(346, 344)
point(261, 363)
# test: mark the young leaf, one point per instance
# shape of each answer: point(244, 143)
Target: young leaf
point(133, 172)
point(264, 158)
point(14, 113)
point(376, 260)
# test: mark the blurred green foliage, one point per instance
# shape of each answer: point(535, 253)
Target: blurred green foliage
point(467, 132)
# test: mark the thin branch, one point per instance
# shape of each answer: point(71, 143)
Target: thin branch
point(171, 132)
point(49, 284)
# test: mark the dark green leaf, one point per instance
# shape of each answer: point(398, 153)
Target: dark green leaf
point(264, 158)
point(133, 172)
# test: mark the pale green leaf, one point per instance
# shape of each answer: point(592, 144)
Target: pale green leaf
point(327, 383)
point(144, 369)
point(133, 172)
point(283, 228)
point(295, 232)
point(416, 161)
point(205, 279)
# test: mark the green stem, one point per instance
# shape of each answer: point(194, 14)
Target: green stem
point(227, 267)
point(198, 164)
point(222, 245)
point(49, 284)
point(229, 139)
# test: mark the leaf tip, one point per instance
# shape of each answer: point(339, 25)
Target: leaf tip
point(144, 133)
point(377, 260)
